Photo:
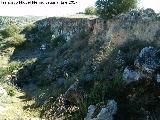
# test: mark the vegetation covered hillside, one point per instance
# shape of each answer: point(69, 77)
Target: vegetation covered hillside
point(80, 68)
point(8, 20)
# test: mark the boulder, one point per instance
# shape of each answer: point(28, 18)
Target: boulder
point(133, 15)
point(91, 110)
point(148, 14)
point(148, 60)
point(129, 75)
point(136, 15)
point(106, 113)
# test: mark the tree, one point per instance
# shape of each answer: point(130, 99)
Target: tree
point(90, 11)
point(108, 8)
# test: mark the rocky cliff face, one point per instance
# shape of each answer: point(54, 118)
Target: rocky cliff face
point(143, 25)
point(68, 27)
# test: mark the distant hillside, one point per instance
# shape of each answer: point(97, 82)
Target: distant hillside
point(6, 20)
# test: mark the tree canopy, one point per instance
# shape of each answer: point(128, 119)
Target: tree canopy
point(90, 11)
point(108, 8)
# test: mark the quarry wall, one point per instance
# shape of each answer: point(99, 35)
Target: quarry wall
point(68, 27)
point(142, 25)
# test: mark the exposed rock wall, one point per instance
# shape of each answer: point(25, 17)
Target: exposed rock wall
point(120, 29)
point(142, 25)
point(68, 27)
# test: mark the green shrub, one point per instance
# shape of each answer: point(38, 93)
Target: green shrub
point(30, 29)
point(2, 73)
point(16, 40)
point(81, 113)
point(10, 31)
point(9, 69)
point(99, 93)
point(115, 86)
point(103, 90)
point(12, 92)
point(108, 8)
point(90, 11)
point(12, 67)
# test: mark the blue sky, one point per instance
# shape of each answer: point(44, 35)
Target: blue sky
point(55, 10)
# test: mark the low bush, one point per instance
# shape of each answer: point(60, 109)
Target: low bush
point(99, 93)
point(9, 69)
point(90, 11)
point(30, 28)
point(11, 92)
point(13, 66)
point(16, 40)
point(10, 31)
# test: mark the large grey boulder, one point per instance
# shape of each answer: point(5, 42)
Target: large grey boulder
point(148, 14)
point(133, 15)
point(106, 113)
point(130, 75)
point(148, 60)
point(136, 15)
